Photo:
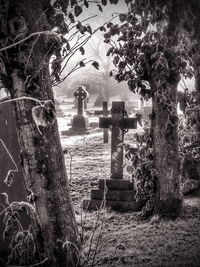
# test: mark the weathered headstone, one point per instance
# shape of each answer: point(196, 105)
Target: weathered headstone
point(132, 105)
point(85, 101)
point(104, 112)
point(100, 99)
point(120, 192)
point(59, 111)
point(79, 122)
point(75, 102)
point(9, 152)
point(147, 110)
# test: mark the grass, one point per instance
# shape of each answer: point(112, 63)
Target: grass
point(125, 241)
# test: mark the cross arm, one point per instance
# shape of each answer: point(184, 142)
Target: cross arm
point(100, 112)
point(123, 123)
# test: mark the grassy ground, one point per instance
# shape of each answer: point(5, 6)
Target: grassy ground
point(122, 239)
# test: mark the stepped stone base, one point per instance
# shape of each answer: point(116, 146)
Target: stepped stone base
point(116, 184)
point(122, 206)
point(98, 194)
point(71, 132)
point(119, 195)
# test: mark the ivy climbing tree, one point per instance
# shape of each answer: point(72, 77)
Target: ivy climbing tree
point(151, 49)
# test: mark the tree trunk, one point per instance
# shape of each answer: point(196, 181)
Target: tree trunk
point(45, 175)
point(197, 89)
point(41, 153)
point(166, 155)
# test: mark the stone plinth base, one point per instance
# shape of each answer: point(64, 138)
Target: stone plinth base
point(94, 124)
point(119, 195)
point(122, 206)
point(98, 194)
point(71, 132)
point(79, 122)
point(116, 184)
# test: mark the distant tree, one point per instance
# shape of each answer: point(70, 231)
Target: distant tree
point(97, 50)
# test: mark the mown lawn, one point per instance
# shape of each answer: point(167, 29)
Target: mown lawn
point(122, 239)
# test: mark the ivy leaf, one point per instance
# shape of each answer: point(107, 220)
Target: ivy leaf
point(109, 25)
point(64, 28)
point(78, 10)
point(63, 39)
point(116, 60)
point(82, 50)
point(104, 2)
point(110, 51)
point(113, 2)
point(79, 25)
point(68, 46)
point(114, 30)
point(122, 17)
point(64, 52)
point(106, 36)
point(95, 64)
point(100, 8)
point(86, 4)
point(127, 1)
point(131, 85)
point(81, 64)
point(103, 29)
point(122, 64)
point(107, 41)
point(73, 3)
point(89, 29)
point(82, 29)
point(71, 17)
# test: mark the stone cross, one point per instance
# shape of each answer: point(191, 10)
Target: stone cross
point(80, 94)
point(104, 112)
point(119, 124)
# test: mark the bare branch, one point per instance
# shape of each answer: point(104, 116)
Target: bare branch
point(23, 40)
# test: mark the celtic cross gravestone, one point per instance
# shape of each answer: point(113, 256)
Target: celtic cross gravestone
point(79, 121)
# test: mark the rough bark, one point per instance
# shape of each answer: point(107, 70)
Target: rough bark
point(41, 154)
point(166, 156)
point(197, 88)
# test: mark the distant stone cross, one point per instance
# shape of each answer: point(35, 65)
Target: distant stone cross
point(80, 94)
point(104, 112)
point(119, 123)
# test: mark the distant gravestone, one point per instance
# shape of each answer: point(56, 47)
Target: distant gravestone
point(104, 112)
point(59, 111)
point(75, 102)
point(147, 110)
point(9, 152)
point(85, 101)
point(100, 99)
point(120, 193)
point(132, 105)
point(79, 122)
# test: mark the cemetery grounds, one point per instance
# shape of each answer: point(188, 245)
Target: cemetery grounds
point(120, 239)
